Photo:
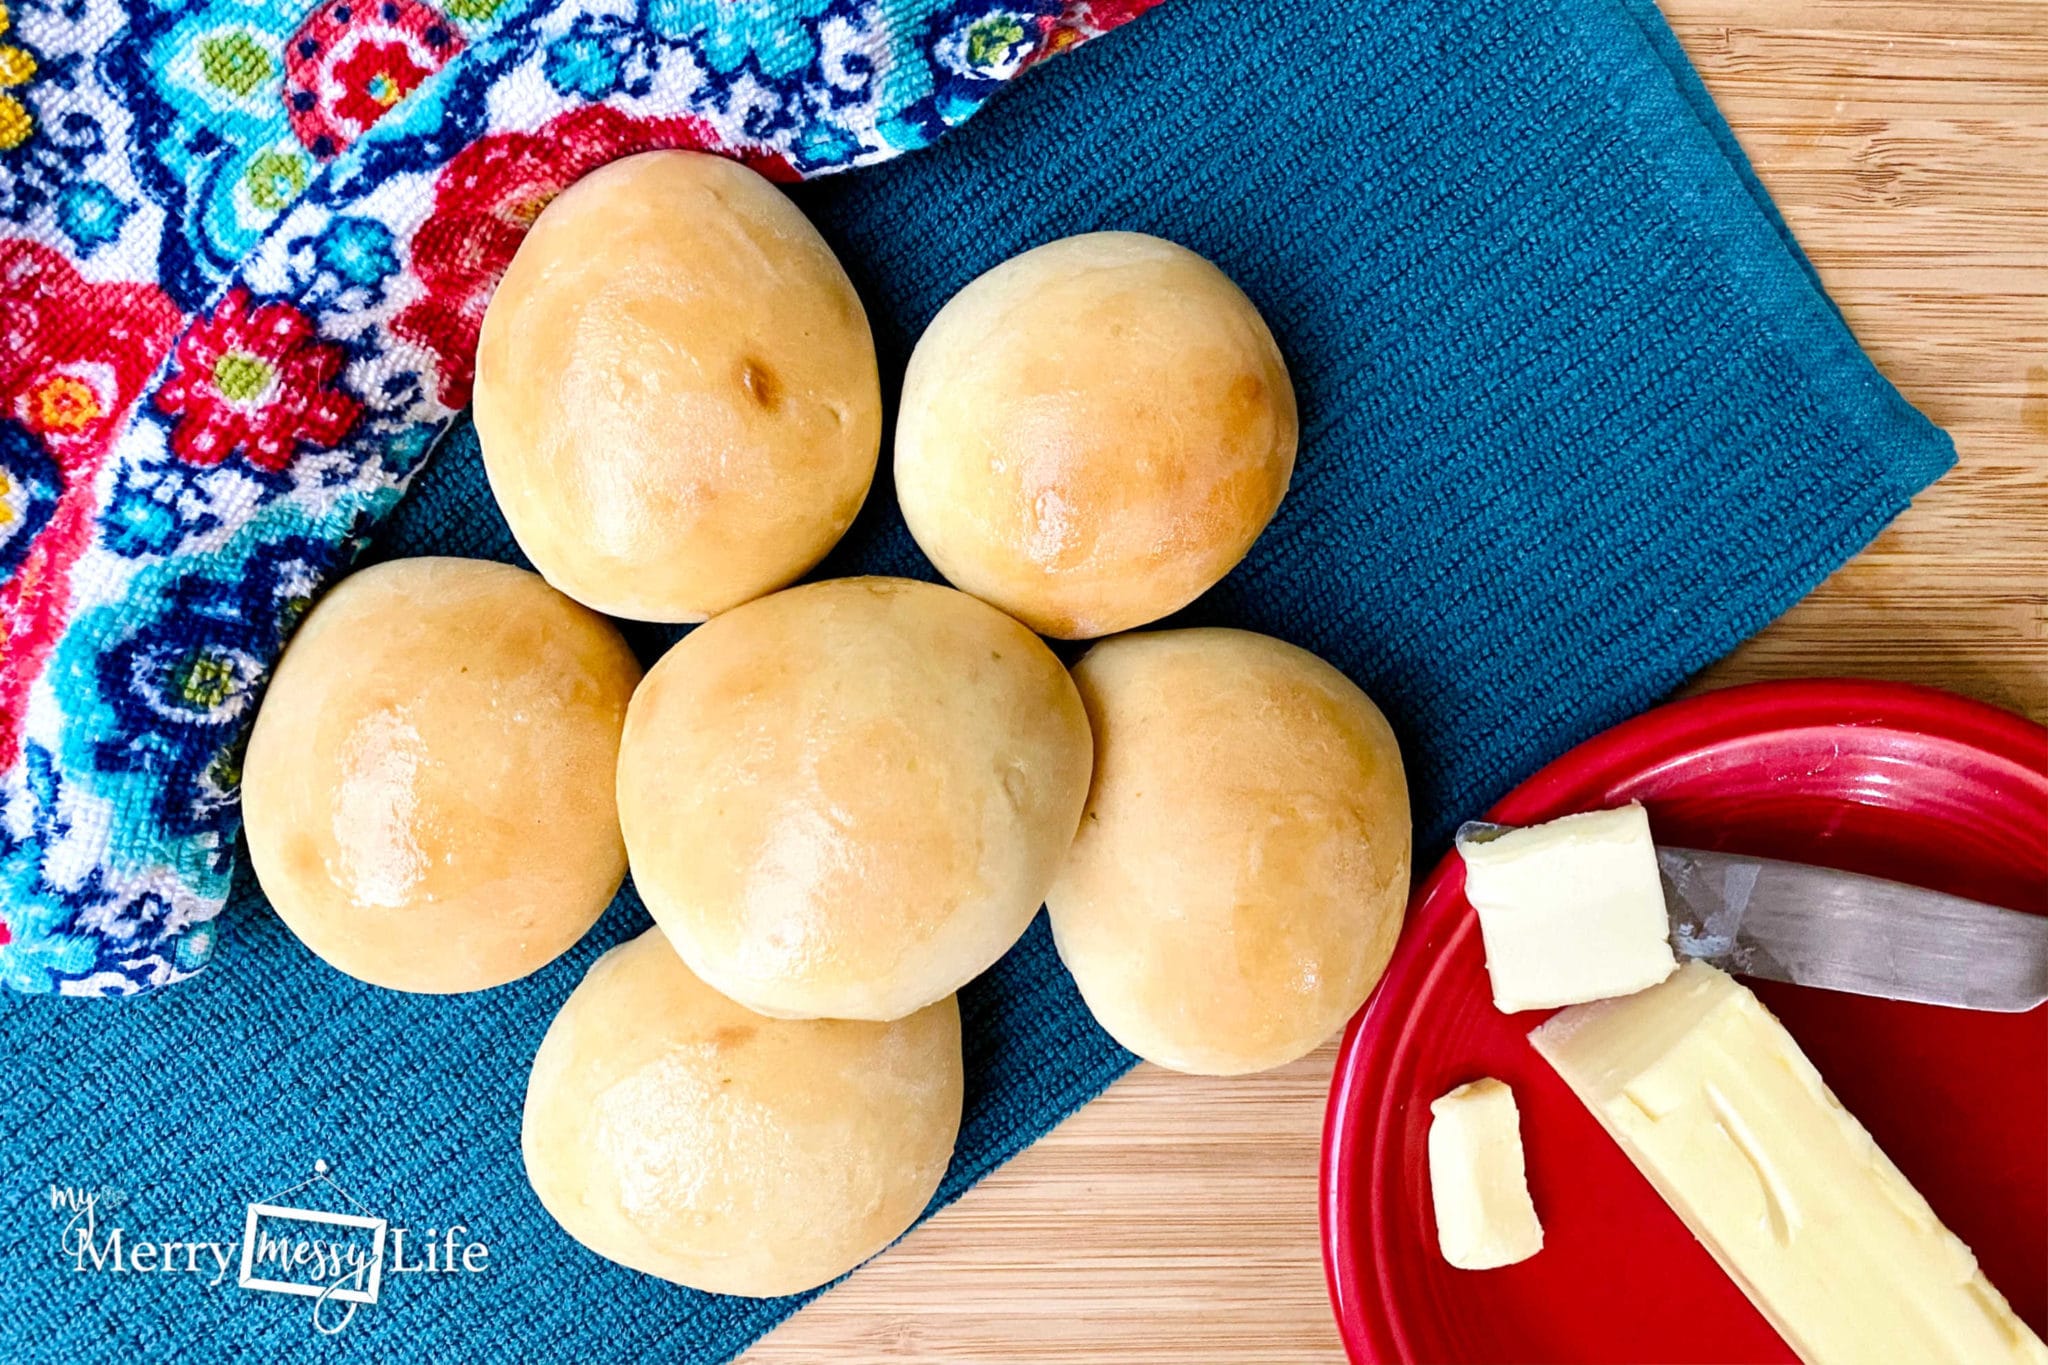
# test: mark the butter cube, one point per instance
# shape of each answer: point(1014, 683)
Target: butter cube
point(1570, 911)
point(1721, 1111)
point(1484, 1217)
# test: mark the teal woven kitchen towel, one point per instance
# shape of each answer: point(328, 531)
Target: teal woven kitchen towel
point(1576, 419)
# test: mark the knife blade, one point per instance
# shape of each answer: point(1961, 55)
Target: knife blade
point(1842, 931)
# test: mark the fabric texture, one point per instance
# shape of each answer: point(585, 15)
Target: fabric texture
point(1576, 419)
point(244, 253)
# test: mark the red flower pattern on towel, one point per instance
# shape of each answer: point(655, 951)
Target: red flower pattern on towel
point(375, 77)
point(254, 379)
point(490, 193)
point(352, 60)
point(74, 355)
point(1100, 16)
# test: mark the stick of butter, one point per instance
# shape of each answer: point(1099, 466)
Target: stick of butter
point(1717, 1106)
point(1484, 1217)
point(1570, 911)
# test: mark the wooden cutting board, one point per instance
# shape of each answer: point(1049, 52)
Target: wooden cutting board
point(1174, 1219)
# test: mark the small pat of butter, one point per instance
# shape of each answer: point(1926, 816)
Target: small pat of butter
point(1484, 1217)
point(1571, 911)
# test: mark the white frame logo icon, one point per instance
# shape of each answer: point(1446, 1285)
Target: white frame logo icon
point(252, 1230)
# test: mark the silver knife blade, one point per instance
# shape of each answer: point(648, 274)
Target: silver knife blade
point(1842, 931)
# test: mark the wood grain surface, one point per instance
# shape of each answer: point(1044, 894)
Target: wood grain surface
point(1174, 1219)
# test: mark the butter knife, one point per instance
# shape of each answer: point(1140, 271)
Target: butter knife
point(1842, 931)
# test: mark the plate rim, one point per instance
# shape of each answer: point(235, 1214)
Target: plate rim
point(1632, 747)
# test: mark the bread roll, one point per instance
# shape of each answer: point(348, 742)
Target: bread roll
point(848, 799)
point(676, 390)
point(429, 787)
point(1242, 867)
point(673, 1131)
point(1093, 433)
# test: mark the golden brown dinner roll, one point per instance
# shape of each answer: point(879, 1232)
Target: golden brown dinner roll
point(849, 798)
point(673, 1131)
point(429, 788)
point(676, 390)
point(1093, 433)
point(1242, 866)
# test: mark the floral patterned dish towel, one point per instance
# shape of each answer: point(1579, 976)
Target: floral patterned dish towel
point(244, 252)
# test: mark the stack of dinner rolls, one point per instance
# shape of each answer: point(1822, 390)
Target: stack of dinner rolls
point(841, 801)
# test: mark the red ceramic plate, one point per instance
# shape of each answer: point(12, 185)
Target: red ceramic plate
point(1895, 781)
